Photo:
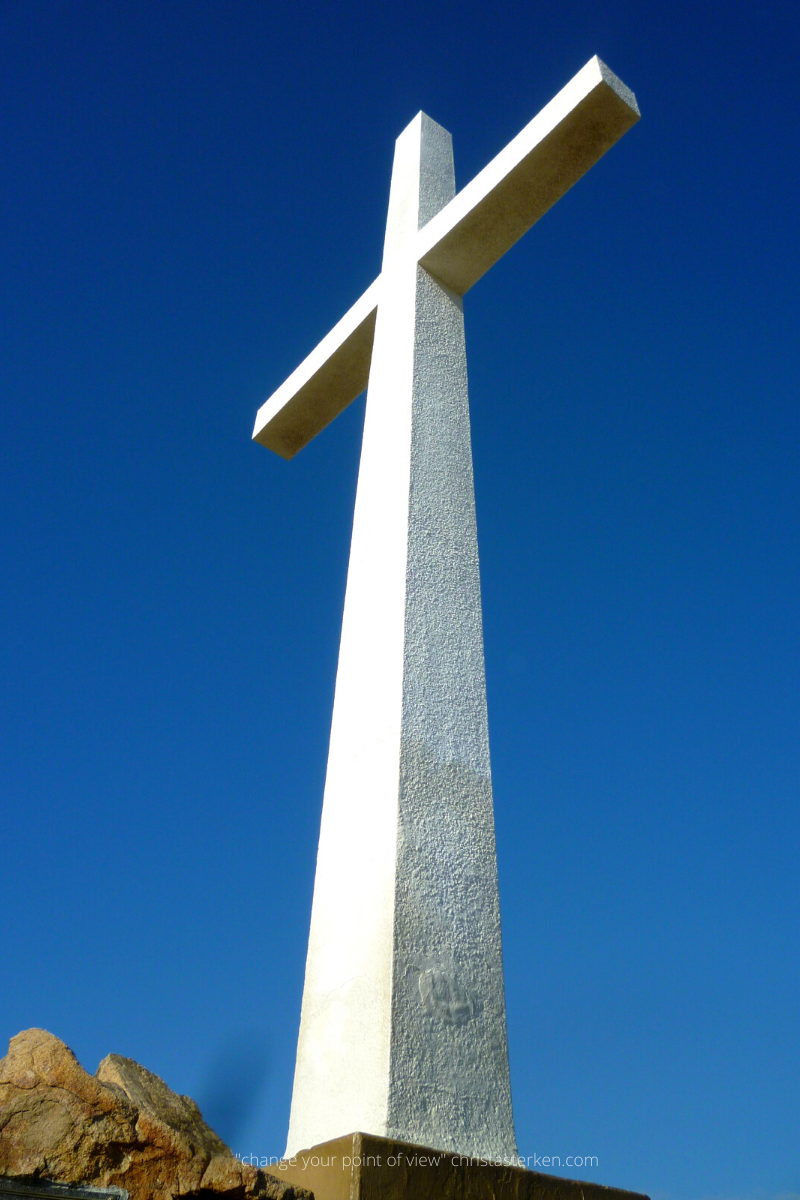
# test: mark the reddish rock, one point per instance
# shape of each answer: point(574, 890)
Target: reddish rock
point(122, 1127)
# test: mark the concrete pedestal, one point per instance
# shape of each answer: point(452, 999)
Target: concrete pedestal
point(363, 1167)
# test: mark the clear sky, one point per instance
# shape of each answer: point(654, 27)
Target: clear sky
point(192, 194)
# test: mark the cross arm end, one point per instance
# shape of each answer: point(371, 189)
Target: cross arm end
point(332, 376)
point(535, 169)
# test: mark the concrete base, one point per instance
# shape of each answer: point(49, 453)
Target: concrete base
point(363, 1167)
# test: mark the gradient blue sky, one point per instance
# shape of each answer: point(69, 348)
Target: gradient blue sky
point(192, 194)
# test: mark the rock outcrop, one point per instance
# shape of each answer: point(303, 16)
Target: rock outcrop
point(122, 1127)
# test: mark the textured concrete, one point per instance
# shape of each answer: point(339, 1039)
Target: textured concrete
point(360, 1167)
point(403, 1029)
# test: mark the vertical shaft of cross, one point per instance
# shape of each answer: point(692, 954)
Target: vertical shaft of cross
point(403, 1023)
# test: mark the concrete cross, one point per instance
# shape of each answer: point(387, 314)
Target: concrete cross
point(403, 1026)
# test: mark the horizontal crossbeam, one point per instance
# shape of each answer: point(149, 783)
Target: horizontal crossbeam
point(460, 243)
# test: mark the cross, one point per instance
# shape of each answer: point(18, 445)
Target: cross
point(403, 1025)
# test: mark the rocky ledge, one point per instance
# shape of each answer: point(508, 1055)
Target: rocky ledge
point(121, 1127)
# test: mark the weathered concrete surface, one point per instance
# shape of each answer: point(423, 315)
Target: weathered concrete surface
point(360, 1167)
point(122, 1127)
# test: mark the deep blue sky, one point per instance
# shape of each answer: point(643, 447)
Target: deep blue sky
point(192, 194)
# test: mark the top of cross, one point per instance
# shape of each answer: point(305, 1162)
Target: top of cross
point(460, 243)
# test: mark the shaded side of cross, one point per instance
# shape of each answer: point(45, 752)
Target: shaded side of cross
point(403, 1025)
